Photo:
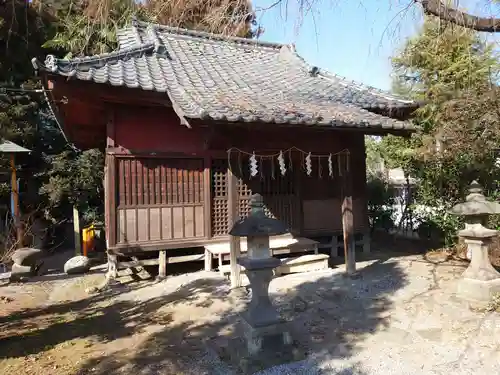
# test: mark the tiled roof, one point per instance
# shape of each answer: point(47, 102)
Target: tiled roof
point(11, 147)
point(208, 76)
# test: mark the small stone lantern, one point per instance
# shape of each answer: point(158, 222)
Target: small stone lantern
point(264, 328)
point(480, 280)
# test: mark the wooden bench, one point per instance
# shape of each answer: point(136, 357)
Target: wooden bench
point(303, 263)
point(279, 245)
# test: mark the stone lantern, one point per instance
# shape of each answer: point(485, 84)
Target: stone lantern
point(480, 280)
point(263, 326)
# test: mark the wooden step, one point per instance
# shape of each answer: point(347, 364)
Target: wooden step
point(304, 263)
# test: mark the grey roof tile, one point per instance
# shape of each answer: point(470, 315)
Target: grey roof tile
point(209, 76)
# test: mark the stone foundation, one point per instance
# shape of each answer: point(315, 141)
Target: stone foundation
point(478, 290)
point(265, 338)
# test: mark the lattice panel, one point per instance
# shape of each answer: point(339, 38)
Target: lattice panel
point(219, 217)
point(220, 211)
point(243, 189)
point(219, 178)
point(244, 209)
point(279, 193)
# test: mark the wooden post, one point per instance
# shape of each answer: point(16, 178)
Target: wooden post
point(347, 217)
point(334, 247)
point(366, 240)
point(110, 184)
point(234, 242)
point(162, 265)
point(15, 202)
point(76, 230)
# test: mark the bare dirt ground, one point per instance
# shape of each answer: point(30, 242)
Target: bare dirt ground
point(400, 316)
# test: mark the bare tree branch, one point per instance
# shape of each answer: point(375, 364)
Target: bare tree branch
point(458, 17)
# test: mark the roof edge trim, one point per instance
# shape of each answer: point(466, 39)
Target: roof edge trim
point(67, 66)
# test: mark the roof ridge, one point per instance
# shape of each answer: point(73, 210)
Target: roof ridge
point(205, 35)
point(51, 62)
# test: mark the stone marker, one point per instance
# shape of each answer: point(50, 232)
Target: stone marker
point(78, 264)
point(27, 256)
point(480, 281)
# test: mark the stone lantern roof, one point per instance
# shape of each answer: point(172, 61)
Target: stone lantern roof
point(476, 210)
point(257, 223)
point(476, 204)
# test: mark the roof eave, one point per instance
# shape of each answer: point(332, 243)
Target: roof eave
point(401, 127)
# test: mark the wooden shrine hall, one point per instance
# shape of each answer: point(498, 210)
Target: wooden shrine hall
point(193, 123)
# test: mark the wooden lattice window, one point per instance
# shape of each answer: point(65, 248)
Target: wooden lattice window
point(155, 181)
point(269, 182)
point(220, 212)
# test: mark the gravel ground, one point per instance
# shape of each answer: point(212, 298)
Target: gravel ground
point(419, 326)
point(400, 316)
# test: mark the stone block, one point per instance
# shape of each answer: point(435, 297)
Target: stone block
point(304, 263)
point(21, 273)
point(27, 256)
point(78, 264)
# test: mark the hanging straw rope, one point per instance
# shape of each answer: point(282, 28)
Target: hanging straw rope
point(304, 156)
point(290, 150)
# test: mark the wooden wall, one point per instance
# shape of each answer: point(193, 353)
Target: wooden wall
point(171, 180)
point(160, 199)
point(155, 130)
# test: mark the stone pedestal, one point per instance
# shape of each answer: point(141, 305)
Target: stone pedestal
point(480, 281)
point(263, 326)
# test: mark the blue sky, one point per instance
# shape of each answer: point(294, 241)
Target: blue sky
point(352, 38)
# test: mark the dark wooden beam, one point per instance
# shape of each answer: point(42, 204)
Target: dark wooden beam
point(110, 129)
point(207, 196)
point(94, 92)
point(309, 128)
point(123, 152)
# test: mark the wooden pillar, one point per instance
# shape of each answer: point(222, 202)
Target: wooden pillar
point(207, 195)
point(76, 231)
point(112, 265)
point(234, 242)
point(347, 215)
point(110, 184)
point(15, 202)
point(162, 265)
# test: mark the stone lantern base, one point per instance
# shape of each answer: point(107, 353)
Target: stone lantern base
point(477, 290)
point(266, 338)
point(480, 281)
point(263, 339)
point(262, 325)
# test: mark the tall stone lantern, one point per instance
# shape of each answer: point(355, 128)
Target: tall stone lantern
point(263, 326)
point(480, 280)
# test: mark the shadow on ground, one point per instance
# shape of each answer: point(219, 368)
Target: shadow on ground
point(165, 334)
